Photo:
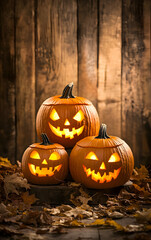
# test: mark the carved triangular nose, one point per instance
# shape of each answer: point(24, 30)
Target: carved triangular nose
point(44, 161)
point(67, 123)
point(103, 167)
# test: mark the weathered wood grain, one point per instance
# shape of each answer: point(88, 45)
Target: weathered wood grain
point(109, 89)
point(56, 48)
point(25, 75)
point(134, 67)
point(146, 76)
point(87, 49)
point(7, 81)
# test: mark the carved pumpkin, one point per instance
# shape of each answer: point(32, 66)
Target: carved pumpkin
point(101, 162)
point(45, 163)
point(67, 119)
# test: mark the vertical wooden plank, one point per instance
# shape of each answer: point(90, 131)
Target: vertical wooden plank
point(25, 75)
point(87, 49)
point(7, 80)
point(146, 76)
point(109, 90)
point(56, 47)
point(134, 76)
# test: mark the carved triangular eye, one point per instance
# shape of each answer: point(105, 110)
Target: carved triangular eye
point(92, 156)
point(34, 155)
point(54, 115)
point(54, 156)
point(79, 116)
point(114, 158)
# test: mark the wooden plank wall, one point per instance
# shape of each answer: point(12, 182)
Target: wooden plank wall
point(103, 46)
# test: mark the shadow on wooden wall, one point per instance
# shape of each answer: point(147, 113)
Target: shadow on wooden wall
point(102, 46)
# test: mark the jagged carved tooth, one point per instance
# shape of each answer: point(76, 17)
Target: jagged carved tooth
point(89, 172)
point(98, 175)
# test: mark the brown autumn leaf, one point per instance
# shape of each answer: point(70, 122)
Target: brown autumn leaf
point(42, 230)
point(5, 163)
point(74, 184)
point(64, 208)
point(114, 224)
point(144, 216)
point(74, 200)
point(132, 228)
point(29, 199)
point(76, 212)
point(141, 190)
point(58, 230)
point(52, 211)
point(115, 215)
point(125, 194)
point(14, 182)
point(36, 218)
point(140, 173)
point(8, 231)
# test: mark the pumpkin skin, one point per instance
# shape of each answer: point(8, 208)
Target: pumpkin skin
point(45, 164)
point(101, 162)
point(67, 119)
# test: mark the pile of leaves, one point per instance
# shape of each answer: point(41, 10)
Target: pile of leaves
point(21, 215)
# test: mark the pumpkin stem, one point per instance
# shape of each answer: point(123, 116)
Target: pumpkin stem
point(102, 132)
point(45, 140)
point(67, 91)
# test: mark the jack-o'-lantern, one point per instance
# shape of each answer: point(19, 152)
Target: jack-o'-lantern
point(101, 162)
point(45, 163)
point(67, 119)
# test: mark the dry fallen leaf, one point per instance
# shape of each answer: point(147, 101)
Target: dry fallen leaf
point(5, 163)
point(144, 216)
point(115, 215)
point(140, 174)
point(36, 218)
point(64, 208)
point(75, 212)
point(14, 182)
point(28, 199)
point(134, 228)
point(142, 192)
point(58, 230)
point(114, 224)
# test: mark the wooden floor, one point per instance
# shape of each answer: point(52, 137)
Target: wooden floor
point(90, 233)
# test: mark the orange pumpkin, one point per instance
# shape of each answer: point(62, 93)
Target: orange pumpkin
point(45, 163)
point(67, 119)
point(101, 162)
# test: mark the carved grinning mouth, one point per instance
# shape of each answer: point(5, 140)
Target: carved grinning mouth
point(101, 179)
point(66, 131)
point(43, 172)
